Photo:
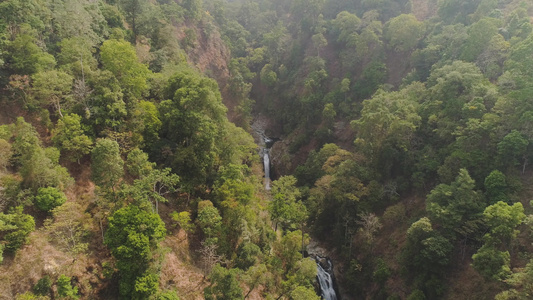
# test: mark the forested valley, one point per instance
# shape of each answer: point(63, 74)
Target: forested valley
point(396, 137)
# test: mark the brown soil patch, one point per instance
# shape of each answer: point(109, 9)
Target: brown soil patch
point(178, 272)
point(40, 258)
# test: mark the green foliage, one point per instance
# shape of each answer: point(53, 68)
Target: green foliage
point(479, 35)
point(520, 284)
point(31, 296)
point(492, 263)
point(148, 122)
point(286, 207)
point(224, 285)
point(288, 249)
point(373, 76)
point(155, 186)
point(426, 250)
point(417, 295)
point(42, 287)
point(49, 198)
point(146, 285)
point(107, 165)
point(496, 187)
point(503, 218)
point(132, 235)
point(69, 137)
point(403, 32)
point(388, 118)
point(168, 295)
point(268, 76)
point(120, 58)
point(193, 120)
point(512, 148)
point(107, 108)
point(184, 220)
point(138, 164)
point(16, 226)
point(382, 271)
point(65, 289)
point(304, 293)
point(27, 57)
point(52, 88)
point(76, 56)
point(247, 255)
point(40, 168)
point(209, 220)
point(453, 206)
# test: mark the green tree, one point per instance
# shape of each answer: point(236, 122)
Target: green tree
point(209, 220)
point(40, 168)
point(132, 235)
point(403, 32)
point(155, 185)
point(512, 148)
point(224, 285)
point(42, 287)
point(138, 164)
point(107, 165)
point(69, 137)
point(65, 289)
point(285, 197)
point(492, 263)
point(52, 88)
point(247, 255)
point(456, 205)
point(452, 88)
point(496, 187)
point(193, 120)
point(503, 219)
point(27, 58)
point(16, 226)
point(119, 57)
point(345, 26)
point(146, 122)
point(168, 295)
point(76, 56)
point(146, 285)
point(184, 220)
point(49, 198)
point(426, 250)
point(388, 118)
point(520, 282)
point(133, 10)
point(304, 293)
point(105, 106)
point(479, 36)
point(268, 76)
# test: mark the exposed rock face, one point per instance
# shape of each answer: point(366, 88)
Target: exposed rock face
point(211, 56)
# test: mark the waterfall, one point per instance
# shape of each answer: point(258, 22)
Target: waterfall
point(265, 143)
point(326, 280)
point(266, 163)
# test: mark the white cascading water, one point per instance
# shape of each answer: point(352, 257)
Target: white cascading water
point(326, 282)
point(266, 163)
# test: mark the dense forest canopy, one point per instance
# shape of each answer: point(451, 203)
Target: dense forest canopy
point(402, 135)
